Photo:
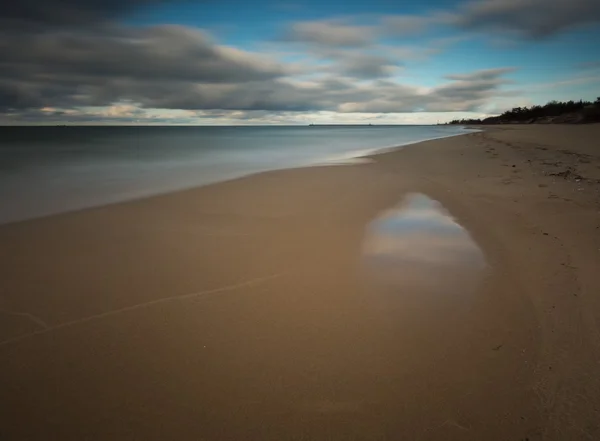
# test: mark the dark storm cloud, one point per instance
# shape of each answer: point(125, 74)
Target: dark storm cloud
point(67, 53)
point(159, 52)
point(17, 96)
point(530, 18)
point(48, 13)
point(112, 63)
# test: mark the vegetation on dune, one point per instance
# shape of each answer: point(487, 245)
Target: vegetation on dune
point(553, 112)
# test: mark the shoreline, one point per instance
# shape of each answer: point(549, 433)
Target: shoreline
point(239, 309)
point(330, 162)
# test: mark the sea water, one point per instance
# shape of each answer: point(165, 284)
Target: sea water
point(47, 170)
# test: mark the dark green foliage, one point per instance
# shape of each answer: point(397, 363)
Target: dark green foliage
point(590, 112)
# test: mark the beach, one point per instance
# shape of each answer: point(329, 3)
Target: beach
point(244, 310)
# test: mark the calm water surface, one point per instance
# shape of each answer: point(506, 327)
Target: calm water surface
point(45, 170)
point(417, 248)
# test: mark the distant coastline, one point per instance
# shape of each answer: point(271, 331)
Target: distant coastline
point(340, 125)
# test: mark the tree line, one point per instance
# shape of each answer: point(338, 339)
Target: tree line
point(554, 111)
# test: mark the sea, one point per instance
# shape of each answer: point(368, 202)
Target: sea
point(48, 170)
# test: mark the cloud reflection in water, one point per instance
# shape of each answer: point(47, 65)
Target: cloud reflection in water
point(418, 248)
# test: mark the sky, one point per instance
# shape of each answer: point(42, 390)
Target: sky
point(221, 62)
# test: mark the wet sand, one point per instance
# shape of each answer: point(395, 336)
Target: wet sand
point(330, 303)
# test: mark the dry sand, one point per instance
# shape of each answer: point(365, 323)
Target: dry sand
point(241, 311)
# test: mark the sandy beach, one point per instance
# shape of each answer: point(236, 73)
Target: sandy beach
point(250, 310)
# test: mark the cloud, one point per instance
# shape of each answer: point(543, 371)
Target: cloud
point(471, 91)
point(342, 47)
point(565, 82)
point(405, 24)
point(333, 33)
point(370, 62)
point(53, 68)
point(121, 114)
point(400, 25)
point(481, 75)
point(367, 66)
point(588, 65)
point(51, 13)
point(367, 63)
point(534, 19)
point(159, 52)
point(110, 63)
point(332, 95)
point(465, 93)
